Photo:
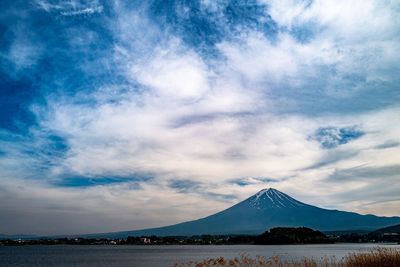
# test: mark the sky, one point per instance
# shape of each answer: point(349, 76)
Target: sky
point(121, 115)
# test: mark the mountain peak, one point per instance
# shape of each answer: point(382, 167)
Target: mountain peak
point(266, 209)
point(273, 198)
point(268, 190)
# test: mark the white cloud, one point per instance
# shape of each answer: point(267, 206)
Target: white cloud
point(357, 40)
point(187, 117)
point(211, 121)
point(259, 59)
point(173, 74)
point(70, 8)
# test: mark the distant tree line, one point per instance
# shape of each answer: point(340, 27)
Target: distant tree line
point(275, 236)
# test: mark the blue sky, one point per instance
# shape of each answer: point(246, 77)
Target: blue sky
point(118, 115)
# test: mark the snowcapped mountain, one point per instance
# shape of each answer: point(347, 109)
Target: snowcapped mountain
point(264, 210)
point(272, 198)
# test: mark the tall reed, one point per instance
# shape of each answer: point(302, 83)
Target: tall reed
point(377, 257)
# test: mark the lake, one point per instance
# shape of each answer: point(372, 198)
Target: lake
point(159, 256)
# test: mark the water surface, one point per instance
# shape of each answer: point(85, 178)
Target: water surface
point(160, 256)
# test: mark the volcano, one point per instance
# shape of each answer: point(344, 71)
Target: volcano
point(267, 209)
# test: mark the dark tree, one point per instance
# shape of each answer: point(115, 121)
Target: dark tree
point(287, 235)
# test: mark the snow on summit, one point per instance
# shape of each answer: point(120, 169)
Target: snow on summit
point(272, 198)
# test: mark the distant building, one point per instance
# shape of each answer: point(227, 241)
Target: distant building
point(390, 234)
point(145, 240)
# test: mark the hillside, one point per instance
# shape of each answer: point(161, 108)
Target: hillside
point(267, 209)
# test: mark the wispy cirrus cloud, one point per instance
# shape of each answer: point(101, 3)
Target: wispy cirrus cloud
point(70, 8)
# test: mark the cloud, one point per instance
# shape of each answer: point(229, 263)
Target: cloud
point(85, 11)
point(144, 110)
point(23, 54)
point(173, 74)
point(21, 49)
point(388, 144)
point(262, 182)
point(366, 172)
point(71, 8)
point(96, 207)
point(184, 185)
point(204, 190)
point(203, 25)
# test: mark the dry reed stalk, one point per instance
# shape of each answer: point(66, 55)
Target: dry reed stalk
point(377, 257)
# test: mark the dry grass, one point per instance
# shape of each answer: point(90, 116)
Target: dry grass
point(379, 257)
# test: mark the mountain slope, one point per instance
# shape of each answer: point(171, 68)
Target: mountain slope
point(389, 229)
point(264, 210)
